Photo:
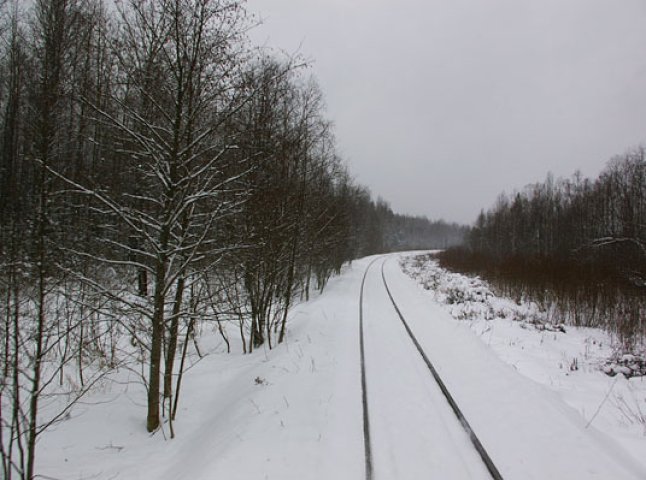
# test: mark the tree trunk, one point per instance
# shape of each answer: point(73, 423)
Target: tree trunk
point(152, 419)
point(172, 339)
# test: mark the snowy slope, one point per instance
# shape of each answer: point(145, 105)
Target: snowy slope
point(295, 412)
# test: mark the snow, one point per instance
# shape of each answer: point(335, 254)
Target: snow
point(568, 364)
point(413, 427)
point(279, 414)
point(294, 412)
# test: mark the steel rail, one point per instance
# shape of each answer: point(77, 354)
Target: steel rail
point(495, 473)
point(364, 390)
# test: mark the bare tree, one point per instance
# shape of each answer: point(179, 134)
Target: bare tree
point(177, 64)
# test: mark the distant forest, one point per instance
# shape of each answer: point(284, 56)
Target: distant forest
point(577, 246)
point(159, 174)
point(404, 232)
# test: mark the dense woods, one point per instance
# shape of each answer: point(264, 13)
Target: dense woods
point(576, 246)
point(158, 176)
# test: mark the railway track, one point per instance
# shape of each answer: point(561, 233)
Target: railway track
point(369, 451)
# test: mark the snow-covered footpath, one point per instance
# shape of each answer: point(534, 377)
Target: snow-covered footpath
point(295, 412)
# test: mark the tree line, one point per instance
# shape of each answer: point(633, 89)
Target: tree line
point(577, 244)
point(159, 176)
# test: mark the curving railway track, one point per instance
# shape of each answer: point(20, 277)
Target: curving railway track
point(440, 443)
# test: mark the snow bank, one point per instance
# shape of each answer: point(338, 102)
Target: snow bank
point(468, 298)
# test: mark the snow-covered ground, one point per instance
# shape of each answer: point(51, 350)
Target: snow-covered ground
point(295, 412)
point(567, 360)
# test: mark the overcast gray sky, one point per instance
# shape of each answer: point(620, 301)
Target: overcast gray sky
point(439, 105)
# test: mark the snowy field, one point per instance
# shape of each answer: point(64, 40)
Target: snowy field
point(295, 412)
